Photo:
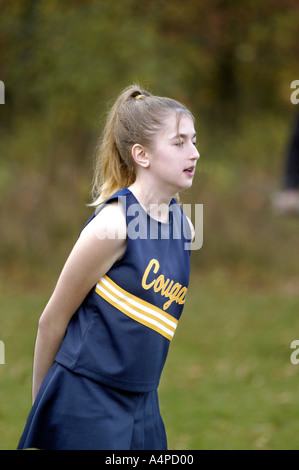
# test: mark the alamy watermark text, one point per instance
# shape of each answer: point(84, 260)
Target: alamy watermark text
point(142, 226)
point(295, 354)
point(295, 94)
point(2, 353)
point(2, 92)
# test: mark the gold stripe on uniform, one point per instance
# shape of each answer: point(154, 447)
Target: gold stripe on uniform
point(136, 308)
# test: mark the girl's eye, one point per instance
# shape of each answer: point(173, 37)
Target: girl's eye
point(180, 144)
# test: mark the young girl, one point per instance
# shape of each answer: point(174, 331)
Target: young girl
point(104, 335)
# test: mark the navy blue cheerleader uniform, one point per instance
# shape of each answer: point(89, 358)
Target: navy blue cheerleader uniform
point(101, 392)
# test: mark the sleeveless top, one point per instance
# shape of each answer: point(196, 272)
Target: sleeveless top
point(120, 335)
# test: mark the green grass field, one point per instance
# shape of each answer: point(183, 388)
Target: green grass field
point(228, 382)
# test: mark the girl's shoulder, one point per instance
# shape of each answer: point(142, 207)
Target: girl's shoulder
point(109, 222)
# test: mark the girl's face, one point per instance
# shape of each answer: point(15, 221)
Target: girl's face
point(173, 157)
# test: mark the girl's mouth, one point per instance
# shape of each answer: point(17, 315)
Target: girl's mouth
point(190, 170)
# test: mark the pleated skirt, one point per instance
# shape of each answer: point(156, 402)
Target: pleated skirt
point(73, 412)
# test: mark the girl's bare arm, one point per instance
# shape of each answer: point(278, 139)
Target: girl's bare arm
point(92, 256)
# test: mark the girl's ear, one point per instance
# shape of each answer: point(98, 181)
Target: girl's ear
point(140, 156)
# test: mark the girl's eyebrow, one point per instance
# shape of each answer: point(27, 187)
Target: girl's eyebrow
point(182, 136)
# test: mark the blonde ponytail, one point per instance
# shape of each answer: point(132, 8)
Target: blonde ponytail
point(135, 117)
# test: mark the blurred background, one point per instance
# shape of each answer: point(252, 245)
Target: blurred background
point(229, 382)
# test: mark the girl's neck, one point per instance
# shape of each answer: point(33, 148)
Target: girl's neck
point(154, 202)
